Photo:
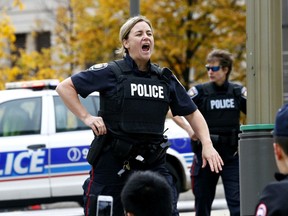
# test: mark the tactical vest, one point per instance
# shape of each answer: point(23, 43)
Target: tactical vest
point(221, 111)
point(140, 104)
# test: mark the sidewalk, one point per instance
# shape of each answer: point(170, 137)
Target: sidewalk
point(219, 207)
point(224, 212)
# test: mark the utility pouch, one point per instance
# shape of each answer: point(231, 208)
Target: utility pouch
point(196, 145)
point(235, 138)
point(156, 152)
point(229, 140)
point(215, 139)
point(95, 149)
point(121, 148)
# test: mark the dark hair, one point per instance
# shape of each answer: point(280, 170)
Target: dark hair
point(147, 193)
point(224, 57)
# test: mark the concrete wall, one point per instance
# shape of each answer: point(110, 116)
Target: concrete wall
point(36, 15)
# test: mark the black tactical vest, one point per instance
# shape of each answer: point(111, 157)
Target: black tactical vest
point(140, 104)
point(221, 111)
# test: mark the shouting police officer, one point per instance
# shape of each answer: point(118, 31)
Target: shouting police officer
point(135, 96)
point(220, 102)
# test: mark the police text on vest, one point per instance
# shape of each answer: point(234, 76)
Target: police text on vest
point(222, 104)
point(143, 90)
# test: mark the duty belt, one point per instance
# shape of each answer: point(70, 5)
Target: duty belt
point(224, 139)
point(145, 153)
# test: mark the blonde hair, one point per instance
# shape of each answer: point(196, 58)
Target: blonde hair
point(126, 28)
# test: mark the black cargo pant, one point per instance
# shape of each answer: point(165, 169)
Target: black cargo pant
point(204, 181)
point(104, 180)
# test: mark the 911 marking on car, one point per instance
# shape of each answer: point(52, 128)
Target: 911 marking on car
point(74, 154)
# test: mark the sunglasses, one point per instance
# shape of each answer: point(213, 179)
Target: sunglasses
point(213, 68)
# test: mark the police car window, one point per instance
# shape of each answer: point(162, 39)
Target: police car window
point(20, 117)
point(66, 121)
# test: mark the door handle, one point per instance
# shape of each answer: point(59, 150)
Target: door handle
point(36, 146)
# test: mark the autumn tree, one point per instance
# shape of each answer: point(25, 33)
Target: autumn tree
point(74, 43)
point(185, 31)
point(98, 31)
point(69, 20)
point(7, 36)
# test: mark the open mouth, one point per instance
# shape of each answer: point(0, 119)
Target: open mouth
point(146, 47)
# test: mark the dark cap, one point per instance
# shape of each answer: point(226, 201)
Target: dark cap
point(281, 122)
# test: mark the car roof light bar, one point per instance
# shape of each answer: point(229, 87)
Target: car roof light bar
point(34, 84)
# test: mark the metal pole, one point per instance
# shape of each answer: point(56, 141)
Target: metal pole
point(134, 7)
point(264, 60)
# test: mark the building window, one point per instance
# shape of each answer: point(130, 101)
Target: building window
point(20, 41)
point(43, 40)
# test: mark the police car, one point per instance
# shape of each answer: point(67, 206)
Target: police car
point(43, 146)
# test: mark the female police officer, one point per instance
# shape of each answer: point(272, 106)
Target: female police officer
point(221, 102)
point(135, 96)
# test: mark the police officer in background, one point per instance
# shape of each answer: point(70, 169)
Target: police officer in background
point(135, 96)
point(220, 102)
point(273, 199)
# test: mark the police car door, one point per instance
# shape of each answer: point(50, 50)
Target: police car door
point(23, 153)
point(70, 143)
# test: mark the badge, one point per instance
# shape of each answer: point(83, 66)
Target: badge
point(98, 66)
point(244, 92)
point(192, 92)
point(261, 210)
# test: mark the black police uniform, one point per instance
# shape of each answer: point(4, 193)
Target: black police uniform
point(133, 105)
point(273, 200)
point(220, 106)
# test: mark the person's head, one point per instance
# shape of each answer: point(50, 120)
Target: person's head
point(147, 193)
point(136, 37)
point(219, 66)
point(280, 135)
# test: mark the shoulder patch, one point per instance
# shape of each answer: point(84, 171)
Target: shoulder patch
point(192, 92)
point(261, 210)
point(244, 92)
point(98, 66)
